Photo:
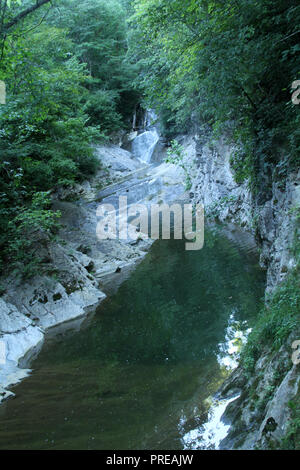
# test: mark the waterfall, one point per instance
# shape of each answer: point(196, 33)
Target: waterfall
point(144, 144)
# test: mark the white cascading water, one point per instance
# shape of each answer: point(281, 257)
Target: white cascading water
point(144, 144)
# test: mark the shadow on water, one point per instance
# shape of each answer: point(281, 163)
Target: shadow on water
point(149, 356)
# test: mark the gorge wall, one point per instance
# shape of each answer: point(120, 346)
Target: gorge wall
point(275, 226)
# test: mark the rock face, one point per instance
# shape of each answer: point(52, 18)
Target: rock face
point(260, 417)
point(18, 335)
point(273, 222)
point(118, 160)
point(29, 309)
point(272, 219)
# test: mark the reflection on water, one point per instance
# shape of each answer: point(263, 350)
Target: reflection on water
point(139, 376)
point(236, 335)
point(210, 434)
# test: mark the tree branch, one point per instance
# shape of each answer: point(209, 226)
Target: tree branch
point(23, 14)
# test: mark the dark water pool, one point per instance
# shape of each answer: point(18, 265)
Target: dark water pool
point(138, 376)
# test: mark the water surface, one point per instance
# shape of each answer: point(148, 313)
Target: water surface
point(140, 374)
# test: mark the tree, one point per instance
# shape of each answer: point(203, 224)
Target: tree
point(5, 5)
point(230, 65)
point(68, 86)
point(99, 31)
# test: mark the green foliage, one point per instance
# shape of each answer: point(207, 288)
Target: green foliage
point(45, 141)
point(175, 153)
point(32, 225)
point(291, 440)
point(176, 156)
point(295, 211)
point(36, 217)
point(43, 127)
point(242, 159)
point(68, 84)
point(98, 30)
point(229, 63)
point(276, 322)
point(215, 208)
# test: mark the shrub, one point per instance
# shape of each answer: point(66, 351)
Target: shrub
point(276, 321)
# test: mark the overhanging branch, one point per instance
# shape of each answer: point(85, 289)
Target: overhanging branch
point(23, 14)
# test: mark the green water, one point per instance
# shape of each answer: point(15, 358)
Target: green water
point(139, 374)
